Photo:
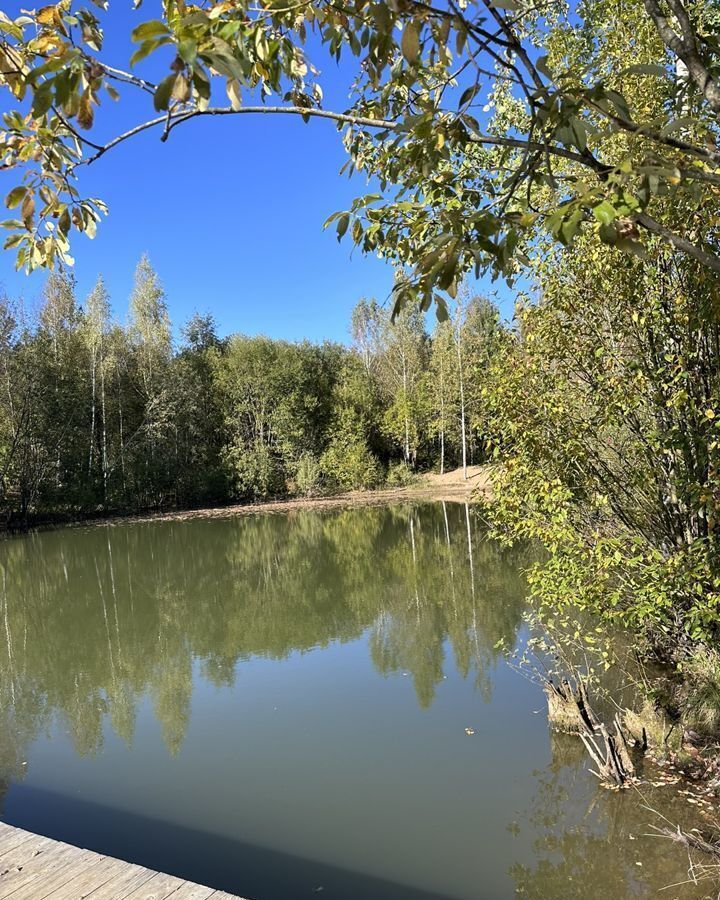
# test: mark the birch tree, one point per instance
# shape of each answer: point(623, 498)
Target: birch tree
point(402, 357)
point(151, 343)
point(96, 327)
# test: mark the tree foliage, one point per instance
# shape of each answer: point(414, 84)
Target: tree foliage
point(97, 416)
point(604, 412)
point(485, 123)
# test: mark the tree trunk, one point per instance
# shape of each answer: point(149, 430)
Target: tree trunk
point(461, 381)
point(122, 437)
point(569, 710)
point(442, 419)
point(405, 409)
point(92, 411)
point(104, 430)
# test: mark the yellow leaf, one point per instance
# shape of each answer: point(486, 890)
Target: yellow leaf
point(85, 114)
point(410, 43)
point(47, 15)
point(233, 92)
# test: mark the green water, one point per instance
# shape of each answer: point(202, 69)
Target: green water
point(277, 705)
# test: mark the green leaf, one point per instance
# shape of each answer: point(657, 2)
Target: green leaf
point(605, 212)
point(147, 47)
point(619, 102)
point(570, 228)
point(42, 101)
point(201, 83)
point(579, 135)
point(187, 50)
point(148, 30)
point(64, 222)
point(13, 241)
point(542, 67)
point(468, 95)
point(16, 196)
point(645, 69)
point(410, 43)
point(164, 90)
point(62, 88)
point(608, 234)
point(9, 27)
point(342, 225)
point(441, 310)
point(633, 247)
point(224, 62)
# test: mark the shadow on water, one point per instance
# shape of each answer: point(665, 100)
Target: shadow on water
point(211, 859)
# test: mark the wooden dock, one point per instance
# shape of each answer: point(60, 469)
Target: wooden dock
point(38, 868)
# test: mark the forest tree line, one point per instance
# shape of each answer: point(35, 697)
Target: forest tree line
point(98, 416)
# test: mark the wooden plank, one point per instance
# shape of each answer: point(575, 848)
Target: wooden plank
point(85, 880)
point(14, 837)
point(54, 872)
point(38, 868)
point(159, 887)
point(132, 878)
point(8, 833)
point(20, 856)
point(190, 891)
point(23, 853)
point(47, 860)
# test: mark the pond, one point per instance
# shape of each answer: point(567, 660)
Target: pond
point(300, 705)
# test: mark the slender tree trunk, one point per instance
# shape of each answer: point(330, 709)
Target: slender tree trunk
point(442, 418)
point(56, 356)
point(405, 406)
point(122, 436)
point(104, 430)
point(93, 390)
point(461, 380)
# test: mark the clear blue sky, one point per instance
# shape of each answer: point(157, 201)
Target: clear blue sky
point(230, 212)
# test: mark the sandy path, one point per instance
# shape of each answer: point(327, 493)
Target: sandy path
point(450, 486)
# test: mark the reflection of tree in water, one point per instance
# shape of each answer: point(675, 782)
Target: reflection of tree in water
point(453, 588)
point(93, 620)
point(595, 844)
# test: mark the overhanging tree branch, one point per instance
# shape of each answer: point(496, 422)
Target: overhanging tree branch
point(586, 159)
point(680, 243)
point(685, 48)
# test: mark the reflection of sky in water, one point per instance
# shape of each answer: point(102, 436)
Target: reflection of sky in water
point(292, 695)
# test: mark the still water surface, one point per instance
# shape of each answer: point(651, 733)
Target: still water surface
point(277, 705)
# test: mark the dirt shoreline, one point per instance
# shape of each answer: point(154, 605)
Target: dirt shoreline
point(451, 487)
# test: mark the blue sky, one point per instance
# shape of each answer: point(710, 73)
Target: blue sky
point(230, 212)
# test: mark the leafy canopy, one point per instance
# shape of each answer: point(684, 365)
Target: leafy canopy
point(482, 120)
